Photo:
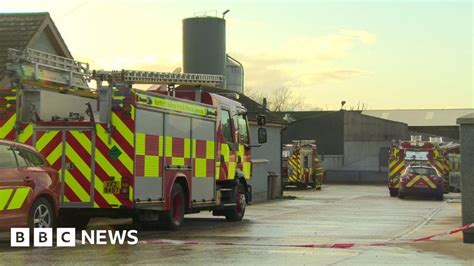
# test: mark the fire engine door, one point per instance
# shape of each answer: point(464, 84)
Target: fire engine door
point(76, 174)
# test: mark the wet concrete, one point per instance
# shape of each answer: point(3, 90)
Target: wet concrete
point(338, 214)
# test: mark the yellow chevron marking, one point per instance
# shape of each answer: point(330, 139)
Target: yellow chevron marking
point(45, 139)
point(26, 134)
point(124, 158)
point(7, 127)
point(5, 195)
point(396, 169)
point(19, 198)
point(122, 129)
point(78, 190)
point(55, 154)
point(106, 166)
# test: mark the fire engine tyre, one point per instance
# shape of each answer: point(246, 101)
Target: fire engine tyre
point(237, 213)
point(393, 192)
point(41, 215)
point(76, 221)
point(401, 195)
point(173, 219)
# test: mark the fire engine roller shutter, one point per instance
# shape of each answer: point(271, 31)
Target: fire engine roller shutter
point(204, 158)
point(149, 155)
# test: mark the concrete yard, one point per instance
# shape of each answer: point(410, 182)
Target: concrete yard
point(338, 214)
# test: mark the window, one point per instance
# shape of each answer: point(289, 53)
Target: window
point(243, 130)
point(21, 158)
point(226, 125)
point(422, 171)
point(33, 159)
point(7, 158)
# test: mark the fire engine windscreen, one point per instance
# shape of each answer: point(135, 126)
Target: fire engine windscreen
point(416, 156)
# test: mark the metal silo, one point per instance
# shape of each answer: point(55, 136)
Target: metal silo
point(204, 45)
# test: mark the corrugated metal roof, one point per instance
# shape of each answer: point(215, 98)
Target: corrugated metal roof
point(425, 117)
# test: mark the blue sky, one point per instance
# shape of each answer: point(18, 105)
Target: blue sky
point(386, 54)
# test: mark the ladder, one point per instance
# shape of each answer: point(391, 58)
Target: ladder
point(32, 64)
point(153, 77)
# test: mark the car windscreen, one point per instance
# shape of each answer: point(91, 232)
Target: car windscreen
point(422, 171)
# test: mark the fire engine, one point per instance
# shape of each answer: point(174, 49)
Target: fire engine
point(301, 165)
point(124, 152)
point(404, 153)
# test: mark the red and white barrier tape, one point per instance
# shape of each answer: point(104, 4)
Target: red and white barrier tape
point(335, 245)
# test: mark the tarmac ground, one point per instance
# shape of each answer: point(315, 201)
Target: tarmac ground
point(337, 214)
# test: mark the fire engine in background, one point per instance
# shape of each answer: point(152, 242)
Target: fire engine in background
point(124, 152)
point(301, 165)
point(404, 153)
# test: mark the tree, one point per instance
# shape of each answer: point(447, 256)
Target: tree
point(281, 99)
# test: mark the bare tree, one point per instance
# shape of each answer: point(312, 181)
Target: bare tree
point(280, 100)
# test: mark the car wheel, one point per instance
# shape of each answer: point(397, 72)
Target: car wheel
point(41, 214)
point(237, 213)
point(173, 218)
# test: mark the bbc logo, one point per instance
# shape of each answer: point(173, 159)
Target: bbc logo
point(42, 237)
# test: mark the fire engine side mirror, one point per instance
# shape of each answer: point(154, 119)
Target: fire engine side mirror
point(261, 120)
point(262, 135)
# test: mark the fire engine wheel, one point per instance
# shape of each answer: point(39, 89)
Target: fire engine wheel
point(41, 214)
point(237, 213)
point(173, 219)
point(393, 192)
point(401, 195)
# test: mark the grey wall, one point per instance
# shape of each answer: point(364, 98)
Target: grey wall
point(44, 43)
point(364, 136)
point(327, 129)
point(467, 174)
point(266, 158)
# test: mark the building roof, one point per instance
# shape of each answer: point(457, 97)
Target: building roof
point(20, 30)
point(421, 118)
point(467, 119)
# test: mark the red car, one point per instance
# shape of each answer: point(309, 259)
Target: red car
point(29, 188)
point(421, 180)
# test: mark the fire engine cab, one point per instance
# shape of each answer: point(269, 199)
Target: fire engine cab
point(405, 153)
point(153, 155)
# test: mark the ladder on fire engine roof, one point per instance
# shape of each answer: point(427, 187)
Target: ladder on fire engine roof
point(35, 65)
point(153, 77)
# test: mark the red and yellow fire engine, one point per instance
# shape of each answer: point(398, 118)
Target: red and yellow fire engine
point(301, 165)
point(404, 153)
point(124, 152)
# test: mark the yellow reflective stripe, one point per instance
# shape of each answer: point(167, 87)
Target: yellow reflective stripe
point(55, 154)
point(7, 127)
point(187, 148)
point(78, 190)
point(200, 167)
point(413, 181)
point(102, 135)
point(19, 198)
point(45, 139)
point(396, 169)
point(5, 195)
point(218, 170)
point(140, 144)
point(247, 170)
point(232, 167)
point(26, 134)
point(225, 151)
point(152, 164)
point(122, 129)
point(132, 112)
point(428, 181)
point(107, 167)
point(177, 161)
point(194, 148)
point(169, 146)
point(210, 150)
